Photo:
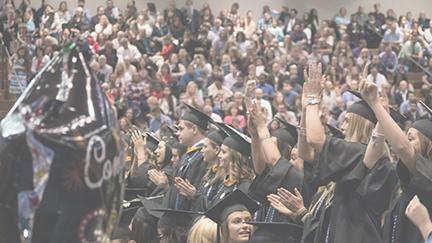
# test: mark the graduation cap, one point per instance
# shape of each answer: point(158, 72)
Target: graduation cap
point(235, 139)
point(335, 131)
point(173, 130)
point(398, 117)
point(196, 116)
point(361, 108)
point(234, 202)
point(424, 126)
point(275, 232)
point(175, 217)
point(217, 136)
point(287, 134)
point(132, 193)
point(126, 216)
point(152, 141)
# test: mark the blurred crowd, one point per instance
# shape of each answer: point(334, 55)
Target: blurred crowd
point(152, 62)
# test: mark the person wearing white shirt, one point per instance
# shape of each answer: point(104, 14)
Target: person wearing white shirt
point(377, 77)
point(209, 112)
point(263, 103)
point(128, 50)
point(105, 69)
point(231, 78)
point(104, 26)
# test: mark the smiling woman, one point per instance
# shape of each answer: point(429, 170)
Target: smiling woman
point(231, 215)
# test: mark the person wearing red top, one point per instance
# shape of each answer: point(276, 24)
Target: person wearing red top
point(165, 74)
point(234, 116)
point(168, 47)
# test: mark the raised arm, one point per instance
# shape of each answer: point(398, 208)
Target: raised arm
point(305, 151)
point(376, 147)
point(268, 144)
point(394, 134)
point(315, 132)
point(258, 158)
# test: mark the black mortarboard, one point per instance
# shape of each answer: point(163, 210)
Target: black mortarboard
point(236, 140)
point(175, 217)
point(275, 232)
point(287, 133)
point(217, 136)
point(424, 126)
point(196, 116)
point(173, 131)
point(132, 193)
point(335, 132)
point(398, 117)
point(151, 206)
point(126, 216)
point(233, 202)
point(361, 108)
point(152, 141)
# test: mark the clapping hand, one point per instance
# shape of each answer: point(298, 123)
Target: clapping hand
point(159, 178)
point(185, 188)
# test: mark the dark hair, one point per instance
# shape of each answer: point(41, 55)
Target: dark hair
point(172, 234)
point(143, 227)
point(151, 7)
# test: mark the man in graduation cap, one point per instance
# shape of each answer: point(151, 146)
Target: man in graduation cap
point(191, 168)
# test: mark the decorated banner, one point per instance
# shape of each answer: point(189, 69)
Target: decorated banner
point(61, 157)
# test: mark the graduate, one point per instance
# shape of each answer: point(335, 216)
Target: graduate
point(144, 157)
point(358, 165)
point(215, 175)
point(231, 215)
point(414, 168)
point(191, 167)
point(272, 163)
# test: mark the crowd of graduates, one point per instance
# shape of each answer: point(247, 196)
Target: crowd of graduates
point(264, 127)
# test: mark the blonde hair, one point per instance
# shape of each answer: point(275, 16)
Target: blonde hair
point(203, 231)
point(327, 194)
point(359, 129)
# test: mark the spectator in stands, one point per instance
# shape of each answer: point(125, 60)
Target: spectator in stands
point(393, 36)
point(388, 59)
point(411, 51)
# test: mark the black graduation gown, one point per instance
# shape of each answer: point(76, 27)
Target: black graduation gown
point(206, 192)
point(158, 190)
point(397, 227)
point(361, 195)
point(282, 174)
point(192, 167)
point(223, 190)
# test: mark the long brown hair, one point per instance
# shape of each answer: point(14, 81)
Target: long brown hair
point(238, 168)
point(426, 146)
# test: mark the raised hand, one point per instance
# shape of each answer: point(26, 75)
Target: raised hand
point(139, 143)
point(369, 91)
point(258, 115)
point(185, 188)
point(419, 215)
point(249, 91)
point(313, 79)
